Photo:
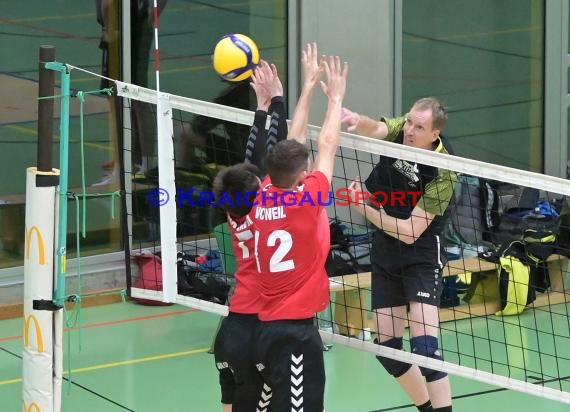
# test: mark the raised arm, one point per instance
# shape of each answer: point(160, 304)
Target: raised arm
point(256, 141)
point(278, 123)
point(334, 89)
point(363, 125)
point(312, 72)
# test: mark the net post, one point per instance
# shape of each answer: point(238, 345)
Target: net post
point(59, 293)
point(61, 252)
point(166, 181)
point(45, 109)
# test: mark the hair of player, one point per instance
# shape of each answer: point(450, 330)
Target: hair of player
point(439, 116)
point(284, 163)
point(237, 180)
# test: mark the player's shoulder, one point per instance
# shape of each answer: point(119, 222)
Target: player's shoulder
point(316, 177)
point(315, 182)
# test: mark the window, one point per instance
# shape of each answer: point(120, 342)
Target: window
point(188, 32)
point(484, 61)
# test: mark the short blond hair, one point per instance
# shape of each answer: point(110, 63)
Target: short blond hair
point(437, 110)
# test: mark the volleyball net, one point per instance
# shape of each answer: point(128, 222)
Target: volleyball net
point(504, 315)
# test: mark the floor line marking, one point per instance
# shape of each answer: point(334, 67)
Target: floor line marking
point(122, 363)
point(115, 322)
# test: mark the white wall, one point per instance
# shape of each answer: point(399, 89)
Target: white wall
point(361, 32)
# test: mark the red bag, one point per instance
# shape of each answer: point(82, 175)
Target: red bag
point(150, 269)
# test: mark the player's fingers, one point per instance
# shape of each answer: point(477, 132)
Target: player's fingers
point(345, 70)
point(254, 78)
point(334, 64)
point(330, 63)
point(326, 66)
point(321, 69)
point(262, 70)
point(312, 47)
point(260, 74)
point(337, 64)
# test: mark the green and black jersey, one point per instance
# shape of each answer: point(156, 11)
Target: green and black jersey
point(400, 184)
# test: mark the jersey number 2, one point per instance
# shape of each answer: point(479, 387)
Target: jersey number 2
point(276, 263)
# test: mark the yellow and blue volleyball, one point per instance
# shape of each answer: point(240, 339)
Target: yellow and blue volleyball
point(235, 57)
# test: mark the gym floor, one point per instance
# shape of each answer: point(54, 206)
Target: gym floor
point(130, 357)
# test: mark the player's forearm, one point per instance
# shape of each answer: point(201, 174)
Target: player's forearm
point(330, 132)
point(328, 138)
point(255, 147)
point(371, 128)
point(278, 129)
point(298, 129)
point(400, 229)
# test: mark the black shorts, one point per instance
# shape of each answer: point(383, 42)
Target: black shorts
point(415, 283)
point(290, 358)
point(241, 383)
point(403, 273)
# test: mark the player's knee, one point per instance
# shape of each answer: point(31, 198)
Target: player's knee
point(394, 367)
point(427, 346)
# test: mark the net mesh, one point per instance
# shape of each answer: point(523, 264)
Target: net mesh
point(499, 324)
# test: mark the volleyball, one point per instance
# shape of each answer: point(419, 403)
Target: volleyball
point(235, 57)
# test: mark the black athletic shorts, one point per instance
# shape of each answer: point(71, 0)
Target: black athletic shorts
point(404, 273)
point(290, 357)
point(241, 383)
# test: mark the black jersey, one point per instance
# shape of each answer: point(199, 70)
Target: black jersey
point(429, 186)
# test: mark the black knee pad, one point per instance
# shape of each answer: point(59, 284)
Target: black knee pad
point(427, 346)
point(394, 367)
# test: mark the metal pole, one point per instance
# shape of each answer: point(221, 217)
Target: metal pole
point(45, 109)
point(61, 252)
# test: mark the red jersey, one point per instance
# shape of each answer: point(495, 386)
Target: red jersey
point(292, 240)
point(245, 298)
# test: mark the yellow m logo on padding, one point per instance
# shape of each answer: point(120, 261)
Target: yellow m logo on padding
point(41, 248)
point(38, 330)
point(32, 408)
